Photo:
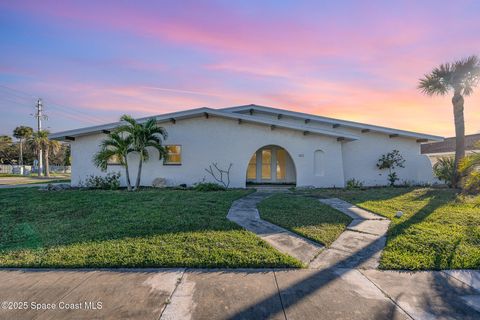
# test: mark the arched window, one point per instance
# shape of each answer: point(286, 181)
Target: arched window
point(319, 163)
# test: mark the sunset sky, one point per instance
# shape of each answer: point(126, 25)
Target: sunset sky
point(92, 61)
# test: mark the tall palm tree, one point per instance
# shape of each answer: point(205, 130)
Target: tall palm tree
point(37, 142)
point(144, 135)
point(116, 145)
point(460, 77)
point(22, 133)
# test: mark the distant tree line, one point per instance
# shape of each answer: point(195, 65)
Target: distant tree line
point(24, 149)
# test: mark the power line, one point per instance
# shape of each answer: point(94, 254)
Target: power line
point(50, 103)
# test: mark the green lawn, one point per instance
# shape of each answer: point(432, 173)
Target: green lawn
point(439, 230)
point(150, 228)
point(305, 216)
point(6, 179)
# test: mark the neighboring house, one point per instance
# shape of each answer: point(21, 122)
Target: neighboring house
point(264, 145)
point(446, 148)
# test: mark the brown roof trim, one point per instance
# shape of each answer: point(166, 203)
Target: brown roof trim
point(448, 145)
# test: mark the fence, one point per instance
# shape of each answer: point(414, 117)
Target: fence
point(10, 169)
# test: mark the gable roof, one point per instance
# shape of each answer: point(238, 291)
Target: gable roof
point(448, 145)
point(236, 113)
point(334, 122)
point(192, 113)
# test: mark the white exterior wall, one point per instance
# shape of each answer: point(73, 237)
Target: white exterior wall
point(360, 158)
point(224, 141)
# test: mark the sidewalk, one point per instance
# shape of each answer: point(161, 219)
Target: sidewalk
point(243, 294)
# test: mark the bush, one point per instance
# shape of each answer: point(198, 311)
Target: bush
point(391, 161)
point(109, 182)
point(444, 170)
point(471, 184)
point(354, 184)
point(208, 186)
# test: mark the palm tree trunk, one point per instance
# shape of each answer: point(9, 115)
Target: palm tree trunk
point(47, 164)
point(137, 184)
point(21, 153)
point(40, 161)
point(127, 174)
point(457, 102)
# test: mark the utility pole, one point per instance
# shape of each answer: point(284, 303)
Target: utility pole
point(40, 116)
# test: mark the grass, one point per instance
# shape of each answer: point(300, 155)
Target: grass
point(438, 230)
point(11, 179)
point(150, 228)
point(305, 216)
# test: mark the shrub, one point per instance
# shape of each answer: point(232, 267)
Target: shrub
point(470, 168)
point(109, 182)
point(208, 186)
point(471, 184)
point(391, 161)
point(444, 170)
point(354, 184)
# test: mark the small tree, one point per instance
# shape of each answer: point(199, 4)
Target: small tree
point(144, 135)
point(391, 161)
point(220, 175)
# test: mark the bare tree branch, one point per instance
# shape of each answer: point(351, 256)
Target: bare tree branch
point(218, 175)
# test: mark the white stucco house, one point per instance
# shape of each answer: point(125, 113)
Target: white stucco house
point(264, 145)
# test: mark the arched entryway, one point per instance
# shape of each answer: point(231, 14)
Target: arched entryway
point(271, 165)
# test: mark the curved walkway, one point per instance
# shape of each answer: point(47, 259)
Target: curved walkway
point(359, 246)
point(244, 212)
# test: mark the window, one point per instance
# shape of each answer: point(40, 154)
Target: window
point(114, 161)
point(266, 164)
point(174, 155)
point(281, 164)
point(252, 168)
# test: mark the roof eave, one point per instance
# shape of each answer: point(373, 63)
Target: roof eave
point(64, 135)
point(345, 123)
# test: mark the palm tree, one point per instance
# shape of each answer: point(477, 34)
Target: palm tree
point(460, 77)
point(50, 146)
point(144, 135)
point(22, 133)
point(37, 142)
point(118, 146)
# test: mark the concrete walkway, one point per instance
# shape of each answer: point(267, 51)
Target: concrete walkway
point(361, 245)
point(239, 294)
point(244, 212)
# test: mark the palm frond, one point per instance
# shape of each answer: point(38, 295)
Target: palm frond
point(432, 84)
point(161, 149)
point(461, 76)
point(101, 158)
